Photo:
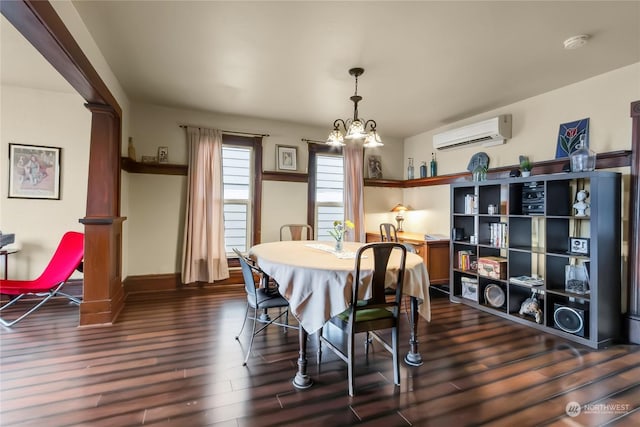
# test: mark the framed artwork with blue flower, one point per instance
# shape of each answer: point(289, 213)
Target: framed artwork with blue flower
point(569, 137)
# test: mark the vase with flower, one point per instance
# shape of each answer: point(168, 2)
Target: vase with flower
point(338, 232)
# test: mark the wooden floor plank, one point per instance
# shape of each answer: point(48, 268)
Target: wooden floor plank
point(172, 359)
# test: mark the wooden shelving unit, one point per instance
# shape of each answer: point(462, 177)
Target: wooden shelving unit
point(536, 222)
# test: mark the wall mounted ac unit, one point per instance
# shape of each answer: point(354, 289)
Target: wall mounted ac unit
point(487, 132)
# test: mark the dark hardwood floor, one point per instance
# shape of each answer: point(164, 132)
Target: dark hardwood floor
point(172, 360)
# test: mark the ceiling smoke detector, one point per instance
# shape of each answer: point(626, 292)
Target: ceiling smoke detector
point(576, 41)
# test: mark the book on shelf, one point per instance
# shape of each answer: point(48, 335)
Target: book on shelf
point(498, 234)
point(526, 281)
point(467, 260)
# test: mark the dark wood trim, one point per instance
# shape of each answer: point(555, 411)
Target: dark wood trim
point(39, 23)
point(132, 166)
point(633, 282)
point(611, 159)
point(104, 163)
point(285, 176)
point(394, 183)
point(257, 192)
point(172, 281)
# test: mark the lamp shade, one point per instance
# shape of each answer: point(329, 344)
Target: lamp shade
point(399, 208)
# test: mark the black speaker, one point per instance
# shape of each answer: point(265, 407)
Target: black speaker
point(571, 319)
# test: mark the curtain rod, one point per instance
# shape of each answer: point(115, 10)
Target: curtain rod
point(228, 132)
point(312, 141)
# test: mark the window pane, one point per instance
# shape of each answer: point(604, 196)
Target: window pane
point(236, 179)
point(329, 194)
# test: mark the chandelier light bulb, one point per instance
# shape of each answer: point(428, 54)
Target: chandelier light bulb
point(335, 138)
point(356, 130)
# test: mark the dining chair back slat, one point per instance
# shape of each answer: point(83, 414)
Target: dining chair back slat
point(388, 232)
point(296, 232)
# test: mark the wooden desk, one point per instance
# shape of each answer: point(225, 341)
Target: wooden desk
point(435, 254)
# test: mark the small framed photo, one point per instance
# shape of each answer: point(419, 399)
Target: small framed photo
point(579, 246)
point(375, 167)
point(163, 154)
point(287, 157)
point(34, 172)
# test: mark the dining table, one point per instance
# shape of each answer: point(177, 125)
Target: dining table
point(317, 281)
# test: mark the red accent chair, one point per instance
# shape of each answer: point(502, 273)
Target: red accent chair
point(67, 257)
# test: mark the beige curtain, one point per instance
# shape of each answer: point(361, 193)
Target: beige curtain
point(353, 190)
point(203, 253)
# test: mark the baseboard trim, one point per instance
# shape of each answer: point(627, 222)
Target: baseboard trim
point(172, 282)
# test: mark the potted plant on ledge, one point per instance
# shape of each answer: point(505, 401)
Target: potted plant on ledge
point(525, 166)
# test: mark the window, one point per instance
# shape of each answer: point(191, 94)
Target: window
point(328, 189)
point(236, 178)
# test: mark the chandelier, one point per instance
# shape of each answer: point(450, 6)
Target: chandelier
point(355, 129)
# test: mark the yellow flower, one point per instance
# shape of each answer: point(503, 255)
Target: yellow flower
point(339, 229)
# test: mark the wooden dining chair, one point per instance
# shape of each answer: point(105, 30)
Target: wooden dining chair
point(296, 232)
point(260, 298)
point(388, 232)
point(373, 314)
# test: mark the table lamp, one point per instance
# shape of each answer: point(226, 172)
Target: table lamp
point(399, 209)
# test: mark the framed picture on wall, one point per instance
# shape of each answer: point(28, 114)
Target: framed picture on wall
point(287, 157)
point(34, 172)
point(569, 136)
point(163, 154)
point(375, 167)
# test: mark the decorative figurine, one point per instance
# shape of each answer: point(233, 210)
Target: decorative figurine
point(581, 205)
point(131, 150)
point(531, 306)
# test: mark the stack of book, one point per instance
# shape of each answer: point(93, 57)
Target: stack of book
point(498, 234)
point(467, 260)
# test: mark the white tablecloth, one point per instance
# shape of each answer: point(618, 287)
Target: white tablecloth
point(317, 283)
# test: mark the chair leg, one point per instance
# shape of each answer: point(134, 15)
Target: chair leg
point(367, 342)
point(264, 317)
point(6, 323)
point(286, 321)
point(71, 298)
point(253, 335)
point(319, 355)
point(351, 363)
point(396, 361)
point(246, 314)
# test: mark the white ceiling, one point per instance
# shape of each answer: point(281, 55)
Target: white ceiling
point(426, 63)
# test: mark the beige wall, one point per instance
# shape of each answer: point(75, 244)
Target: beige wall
point(37, 117)
point(605, 99)
point(155, 202)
